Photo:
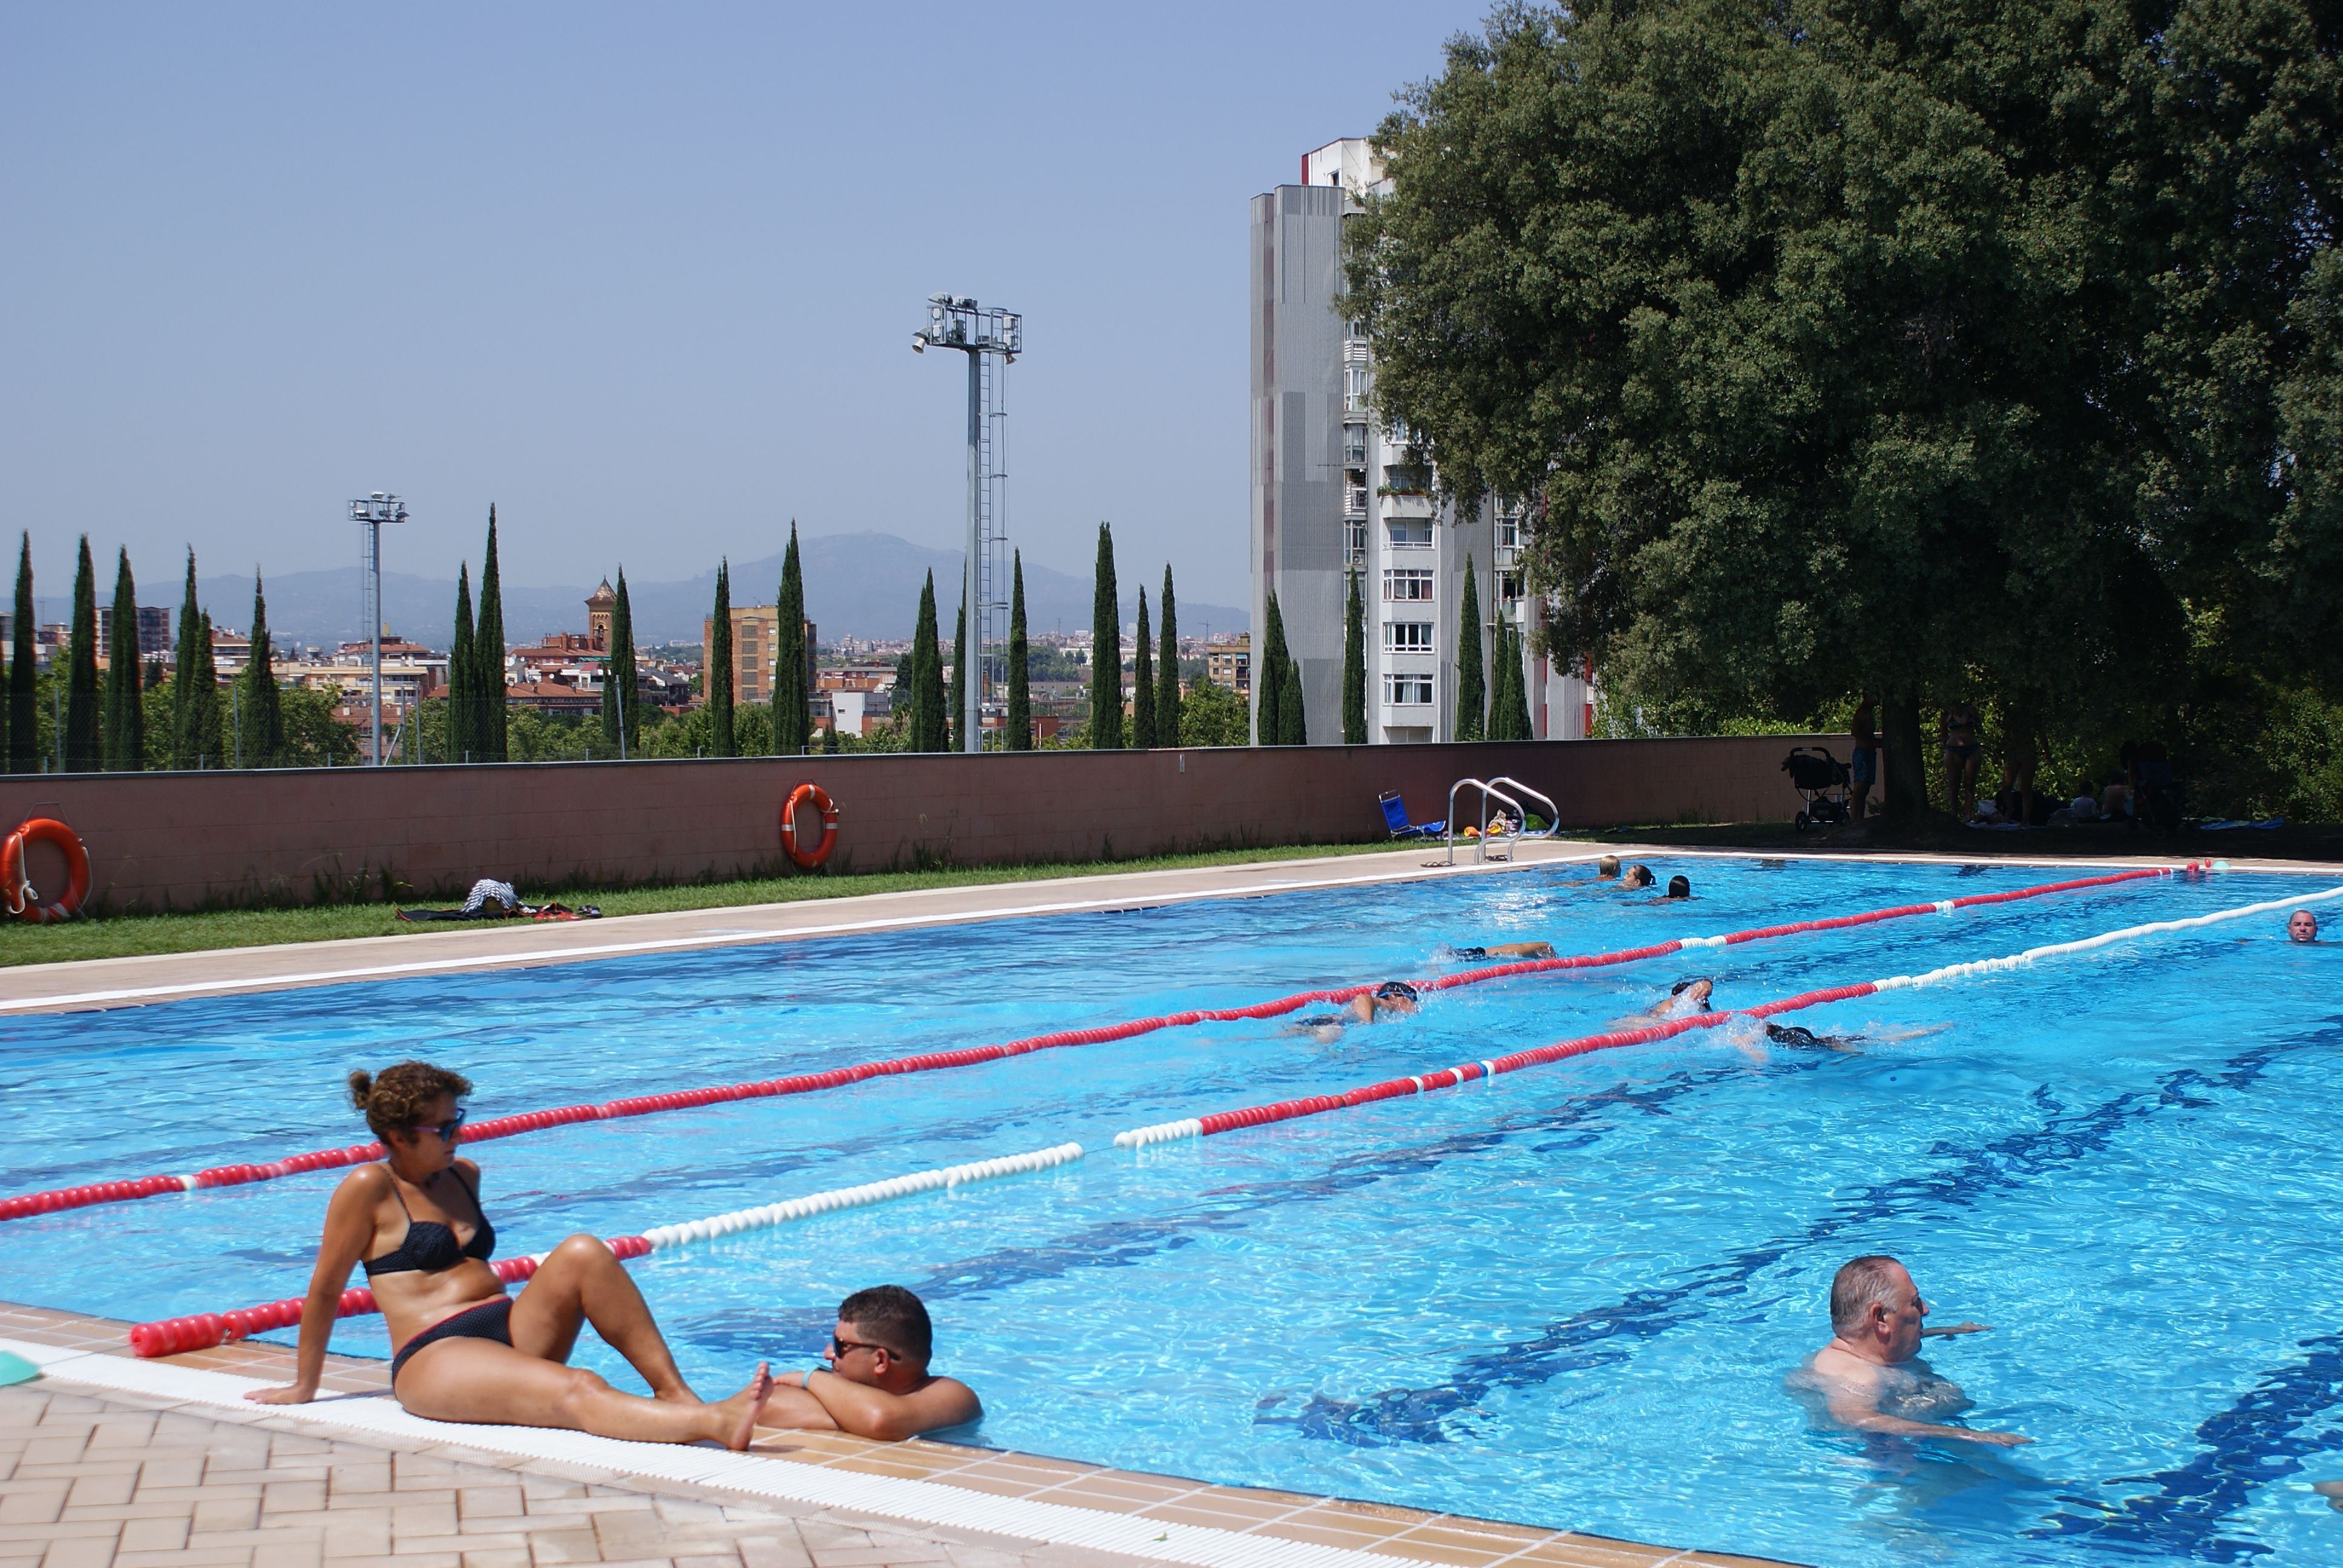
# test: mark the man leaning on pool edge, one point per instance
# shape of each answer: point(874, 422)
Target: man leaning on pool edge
point(877, 1384)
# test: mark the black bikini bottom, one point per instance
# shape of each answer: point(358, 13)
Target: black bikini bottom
point(488, 1321)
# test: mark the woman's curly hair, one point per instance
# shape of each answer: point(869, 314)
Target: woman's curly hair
point(398, 1100)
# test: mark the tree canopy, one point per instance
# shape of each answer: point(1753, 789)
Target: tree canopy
point(1923, 346)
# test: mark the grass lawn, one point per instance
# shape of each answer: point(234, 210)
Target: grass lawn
point(125, 936)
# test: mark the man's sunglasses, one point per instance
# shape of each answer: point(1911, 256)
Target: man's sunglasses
point(839, 1347)
point(446, 1130)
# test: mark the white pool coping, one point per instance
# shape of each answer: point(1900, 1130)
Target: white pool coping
point(916, 1501)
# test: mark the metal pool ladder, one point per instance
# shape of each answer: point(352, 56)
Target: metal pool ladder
point(1489, 791)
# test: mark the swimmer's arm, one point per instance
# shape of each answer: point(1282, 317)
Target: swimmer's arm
point(349, 1226)
point(791, 1406)
point(1849, 1408)
point(872, 1412)
point(1956, 1329)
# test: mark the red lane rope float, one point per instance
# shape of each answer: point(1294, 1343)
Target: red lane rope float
point(66, 1198)
point(169, 1336)
point(818, 798)
point(24, 903)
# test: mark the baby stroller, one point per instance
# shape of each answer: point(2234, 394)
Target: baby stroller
point(1822, 779)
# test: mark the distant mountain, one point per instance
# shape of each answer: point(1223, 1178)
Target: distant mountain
point(857, 585)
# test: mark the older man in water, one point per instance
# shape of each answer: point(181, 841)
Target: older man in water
point(2302, 926)
point(1871, 1375)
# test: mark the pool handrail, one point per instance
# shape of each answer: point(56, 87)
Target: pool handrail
point(1481, 839)
point(1553, 812)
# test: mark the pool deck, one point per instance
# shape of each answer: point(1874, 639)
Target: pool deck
point(97, 984)
point(109, 1461)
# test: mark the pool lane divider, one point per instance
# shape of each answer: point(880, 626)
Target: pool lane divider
point(1465, 1073)
point(122, 1191)
point(170, 1336)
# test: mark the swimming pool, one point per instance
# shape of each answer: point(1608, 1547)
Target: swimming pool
point(1567, 1296)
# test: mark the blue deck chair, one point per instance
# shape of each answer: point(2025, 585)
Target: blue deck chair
point(1396, 816)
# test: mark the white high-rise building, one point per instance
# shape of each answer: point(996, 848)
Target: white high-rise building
point(1336, 490)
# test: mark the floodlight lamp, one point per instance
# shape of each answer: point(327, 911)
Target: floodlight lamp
point(919, 343)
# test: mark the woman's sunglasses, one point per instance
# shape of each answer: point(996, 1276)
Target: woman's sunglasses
point(446, 1130)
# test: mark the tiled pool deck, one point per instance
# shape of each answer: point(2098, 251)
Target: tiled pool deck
point(108, 1460)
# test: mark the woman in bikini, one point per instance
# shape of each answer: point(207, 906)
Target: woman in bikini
point(462, 1350)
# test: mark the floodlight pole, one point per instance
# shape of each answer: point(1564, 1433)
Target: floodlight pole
point(960, 323)
point(370, 514)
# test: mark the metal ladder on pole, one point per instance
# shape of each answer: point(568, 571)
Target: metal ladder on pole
point(1490, 791)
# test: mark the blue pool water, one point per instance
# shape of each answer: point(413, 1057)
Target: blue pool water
point(1568, 1297)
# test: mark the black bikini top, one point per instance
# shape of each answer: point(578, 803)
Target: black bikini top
point(430, 1247)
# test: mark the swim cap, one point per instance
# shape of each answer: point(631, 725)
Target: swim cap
point(1396, 988)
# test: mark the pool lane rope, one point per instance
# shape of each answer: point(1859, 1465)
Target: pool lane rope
point(129, 1190)
point(1465, 1073)
point(170, 1336)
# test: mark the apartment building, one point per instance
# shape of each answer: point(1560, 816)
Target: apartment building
point(1337, 490)
point(756, 647)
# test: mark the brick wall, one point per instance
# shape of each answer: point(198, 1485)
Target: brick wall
point(182, 839)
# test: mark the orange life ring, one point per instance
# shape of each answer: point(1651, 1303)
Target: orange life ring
point(808, 859)
point(24, 903)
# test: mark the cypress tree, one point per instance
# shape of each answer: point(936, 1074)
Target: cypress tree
point(622, 703)
point(792, 703)
point(1291, 725)
point(926, 730)
point(1167, 671)
point(183, 675)
point(1354, 665)
point(82, 750)
point(125, 720)
point(489, 658)
point(259, 711)
point(1501, 705)
point(24, 699)
point(1106, 651)
point(1472, 693)
point(204, 743)
point(1016, 726)
point(1516, 694)
point(1143, 684)
point(956, 709)
point(463, 694)
point(719, 665)
point(1269, 678)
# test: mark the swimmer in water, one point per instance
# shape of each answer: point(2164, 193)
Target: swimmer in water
point(1686, 996)
point(1606, 867)
point(1679, 887)
point(2302, 926)
point(1870, 1376)
point(1509, 950)
point(1798, 1037)
point(1394, 999)
point(1638, 875)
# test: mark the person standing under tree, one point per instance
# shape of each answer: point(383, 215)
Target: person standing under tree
point(1864, 770)
point(1962, 748)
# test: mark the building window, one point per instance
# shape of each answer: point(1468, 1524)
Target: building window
point(1355, 389)
point(1410, 533)
point(1509, 588)
point(1406, 585)
point(1354, 534)
point(1409, 690)
point(1354, 500)
point(1407, 637)
point(1354, 446)
point(1509, 531)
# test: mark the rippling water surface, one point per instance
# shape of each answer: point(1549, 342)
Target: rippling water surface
point(1568, 1297)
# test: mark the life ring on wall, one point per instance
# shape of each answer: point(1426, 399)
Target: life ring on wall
point(819, 798)
point(22, 901)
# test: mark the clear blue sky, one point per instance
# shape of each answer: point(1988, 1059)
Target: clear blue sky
point(644, 275)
